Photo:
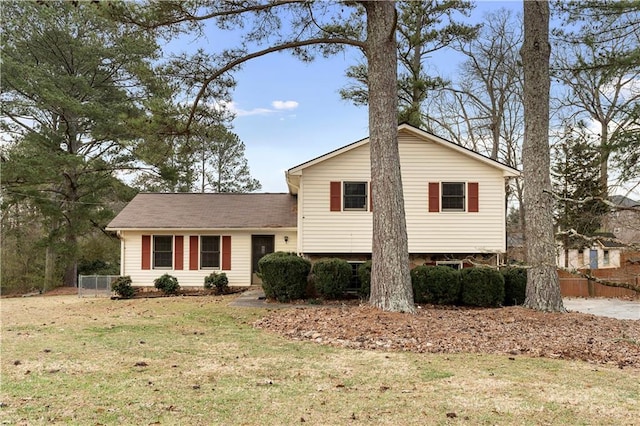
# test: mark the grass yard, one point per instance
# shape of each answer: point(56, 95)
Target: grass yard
point(197, 361)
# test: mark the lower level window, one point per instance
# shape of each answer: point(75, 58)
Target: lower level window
point(354, 282)
point(162, 251)
point(455, 264)
point(209, 251)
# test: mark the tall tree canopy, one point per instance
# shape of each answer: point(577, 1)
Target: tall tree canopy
point(423, 28)
point(577, 177)
point(77, 88)
point(598, 62)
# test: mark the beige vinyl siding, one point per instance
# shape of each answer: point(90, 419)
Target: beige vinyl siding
point(334, 232)
point(422, 162)
point(239, 275)
point(450, 232)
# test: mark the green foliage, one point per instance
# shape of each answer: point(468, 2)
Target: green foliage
point(122, 287)
point(217, 280)
point(331, 277)
point(284, 275)
point(75, 89)
point(168, 284)
point(424, 27)
point(482, 287)
point(515, 285)
point(577, 173)
point(364, 274)
point(226, 168)
point(435, 284)
point(100, 255)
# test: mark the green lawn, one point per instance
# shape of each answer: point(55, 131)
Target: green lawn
point(195, 360)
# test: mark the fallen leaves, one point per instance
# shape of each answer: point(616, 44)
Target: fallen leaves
point(434, 329)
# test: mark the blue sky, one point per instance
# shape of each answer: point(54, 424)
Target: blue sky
point(288, 112)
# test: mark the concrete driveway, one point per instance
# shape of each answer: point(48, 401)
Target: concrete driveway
point(613, 308)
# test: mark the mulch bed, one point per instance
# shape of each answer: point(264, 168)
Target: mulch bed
point(510, 331)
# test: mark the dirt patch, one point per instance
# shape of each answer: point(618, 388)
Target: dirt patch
point(511, 331)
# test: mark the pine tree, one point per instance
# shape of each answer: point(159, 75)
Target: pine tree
point(75, 90)
point(577, 171)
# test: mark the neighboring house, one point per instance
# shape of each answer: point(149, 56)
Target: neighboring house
point(454, 203)
point(603, 252)
point(624, 222)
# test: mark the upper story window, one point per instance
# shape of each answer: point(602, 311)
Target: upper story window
point(162, 251)
point(355, 196)
point(209, 251)
point(453, 196)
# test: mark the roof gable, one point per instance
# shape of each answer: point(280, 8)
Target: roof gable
point(207, 211)
point(293, 173)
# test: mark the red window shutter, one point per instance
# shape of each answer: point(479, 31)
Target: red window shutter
point(472, 193)
point(146, 252)
point(193, 252)
point(434, 196)
point(226, 253)
point(178, 252)
point(335, 204)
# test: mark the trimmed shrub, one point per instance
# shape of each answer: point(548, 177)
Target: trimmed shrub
point(284, 275)
point(515, 285)
point(219, 281)
point(482, 287)
point(435, 284)
point(122, 287)
point(331, 277)
point(364, 275)
point(167, 284)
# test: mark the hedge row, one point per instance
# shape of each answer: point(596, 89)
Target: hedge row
point(286, 276)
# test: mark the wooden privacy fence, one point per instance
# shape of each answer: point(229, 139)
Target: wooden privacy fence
point(628, 272)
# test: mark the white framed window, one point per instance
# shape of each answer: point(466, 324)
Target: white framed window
point(162, 251)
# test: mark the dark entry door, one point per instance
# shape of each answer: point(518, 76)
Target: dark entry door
point(260, 245)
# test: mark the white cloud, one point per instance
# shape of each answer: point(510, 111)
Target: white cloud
point(280, 105)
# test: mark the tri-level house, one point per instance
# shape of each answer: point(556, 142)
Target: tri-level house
point(454, 203)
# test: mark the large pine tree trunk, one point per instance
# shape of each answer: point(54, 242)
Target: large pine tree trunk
point(543, 286)
point(390, 279)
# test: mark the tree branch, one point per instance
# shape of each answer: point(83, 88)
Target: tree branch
point(257, 54)
point(585, 200)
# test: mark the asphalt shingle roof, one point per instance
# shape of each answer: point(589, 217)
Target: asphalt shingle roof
point(207, 211)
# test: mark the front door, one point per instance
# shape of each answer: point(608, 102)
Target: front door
point(260, 245)
point(593, 259)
